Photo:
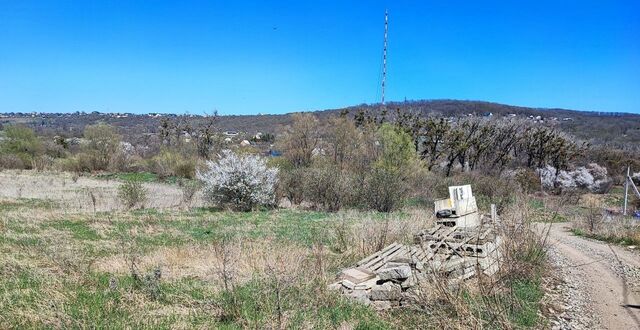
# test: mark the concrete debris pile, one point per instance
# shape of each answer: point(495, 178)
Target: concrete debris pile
point(458, 247)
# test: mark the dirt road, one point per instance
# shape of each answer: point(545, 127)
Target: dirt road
point(602, 281)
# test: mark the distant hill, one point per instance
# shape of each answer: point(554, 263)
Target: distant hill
point(601, 128)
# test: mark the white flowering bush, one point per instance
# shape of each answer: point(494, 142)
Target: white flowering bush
point(592, 177)
point(241, 182)
point(547, 176)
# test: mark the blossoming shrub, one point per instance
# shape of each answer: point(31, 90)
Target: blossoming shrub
point(592, 177)
point(239, 182)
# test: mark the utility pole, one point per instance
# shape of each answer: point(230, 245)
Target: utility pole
point(384, 53)
point(626, 190)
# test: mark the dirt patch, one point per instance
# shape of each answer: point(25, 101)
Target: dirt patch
point(205, 262)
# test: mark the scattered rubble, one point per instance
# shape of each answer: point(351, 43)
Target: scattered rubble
point(458, 247)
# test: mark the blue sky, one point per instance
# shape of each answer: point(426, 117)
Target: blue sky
point(245, 57)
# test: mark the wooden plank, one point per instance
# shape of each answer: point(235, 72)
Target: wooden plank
point(383, 257)
point(367, 259)
point(380, 262)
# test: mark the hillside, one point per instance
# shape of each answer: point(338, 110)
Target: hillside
point(615, 129)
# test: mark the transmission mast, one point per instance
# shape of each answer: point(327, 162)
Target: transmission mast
point(384, 53)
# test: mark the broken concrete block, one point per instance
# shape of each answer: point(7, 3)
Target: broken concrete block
point(394, 273)
point(386, 291)
point(361, 296)
point(408, 283)
point(367, 284)
point(357, 275)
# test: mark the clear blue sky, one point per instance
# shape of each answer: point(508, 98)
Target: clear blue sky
point(247, 57)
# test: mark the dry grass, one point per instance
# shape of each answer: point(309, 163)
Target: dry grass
point(508, 300)
point(65, 266)
point(84, 194)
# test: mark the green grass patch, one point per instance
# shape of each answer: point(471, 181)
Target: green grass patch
point(418, 202)
point(536, 204)
point(632, 237)
point(139, 176)
point(79, 229)
point(31, 203)
point(256, 305)
point(527, 294)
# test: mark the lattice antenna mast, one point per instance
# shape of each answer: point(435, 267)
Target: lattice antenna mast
point(384, 53)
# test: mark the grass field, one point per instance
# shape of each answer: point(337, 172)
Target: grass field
point(62, 269)
point(179, 267)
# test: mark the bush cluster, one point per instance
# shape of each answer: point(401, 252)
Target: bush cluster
point(346, 166)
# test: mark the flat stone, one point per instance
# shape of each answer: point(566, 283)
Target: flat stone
point(357, 275)
point(386, 291)
point(394, 273)
point(367, 284)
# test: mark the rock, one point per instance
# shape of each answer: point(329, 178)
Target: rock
point(394, 273)
point(408, 283)
point(386, 291)
point(367, 284)
point(361, 296)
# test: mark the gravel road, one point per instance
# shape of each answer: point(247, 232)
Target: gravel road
point(600, 283)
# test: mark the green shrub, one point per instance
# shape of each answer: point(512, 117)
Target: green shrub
point(327, 187)
point(387, 183)
point(102, 143)
point(291, 184)
point(385, 191)
point(170, 163)
point(22, 143)
point(132, 193)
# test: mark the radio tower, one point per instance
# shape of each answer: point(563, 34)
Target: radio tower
point(384, 53)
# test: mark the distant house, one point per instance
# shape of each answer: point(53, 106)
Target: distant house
point(487, 114)
point(231, 133)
